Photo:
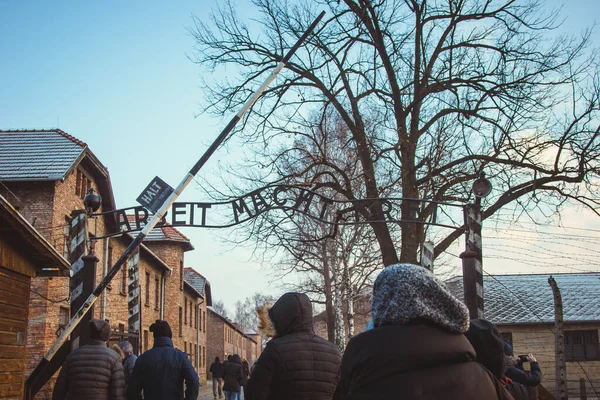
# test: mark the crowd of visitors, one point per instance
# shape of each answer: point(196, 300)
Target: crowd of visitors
point(420, 344)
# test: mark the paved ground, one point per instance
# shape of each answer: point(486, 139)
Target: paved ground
point(206, 392)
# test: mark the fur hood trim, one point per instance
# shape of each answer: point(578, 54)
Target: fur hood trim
point(265, 325)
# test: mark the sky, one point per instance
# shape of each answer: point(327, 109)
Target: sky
point(116, 75)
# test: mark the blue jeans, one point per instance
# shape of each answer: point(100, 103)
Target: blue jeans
point(231, 395)
point(239, 394)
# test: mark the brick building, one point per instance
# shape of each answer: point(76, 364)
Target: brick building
point(522, 306)
point(226, 338)
point(193, 328)
point(24, 254)
point(45, 174)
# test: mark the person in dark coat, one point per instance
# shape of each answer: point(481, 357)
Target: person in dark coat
point(517, 373)
point(161, 371)
point(232, 377)
point(216, 369)
point(417, 347)
point(520, 383)
point(296, 363)
point(93, 371)
point(129, 359)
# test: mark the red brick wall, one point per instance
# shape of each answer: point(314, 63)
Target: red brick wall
point(215, 339)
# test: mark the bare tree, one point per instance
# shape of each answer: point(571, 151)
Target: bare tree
point(431, 93)
point(219, 307)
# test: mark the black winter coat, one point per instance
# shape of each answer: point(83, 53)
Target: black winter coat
point(516, 372)
point(92, 371)
point(232, 374)
point(161, 372)
point(296, 364)
point(414, 361)
point(216, 369)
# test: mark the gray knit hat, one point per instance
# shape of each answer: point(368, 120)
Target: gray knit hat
point(406, 292)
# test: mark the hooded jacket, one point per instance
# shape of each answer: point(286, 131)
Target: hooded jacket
point(233, 374)
point(296, 363)
point(161, 372)
point(417, 349)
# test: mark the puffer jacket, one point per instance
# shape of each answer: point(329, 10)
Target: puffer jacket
point(233, 374)
point(92, 371)
point(128, 365)
point(414, 361)
point(161, 372)
point(296, 363)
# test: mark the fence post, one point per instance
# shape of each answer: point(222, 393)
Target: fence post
point(582, 393)
point(559, 343)
point(472, 260)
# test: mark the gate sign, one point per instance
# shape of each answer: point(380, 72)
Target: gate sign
point(155, 194)
point(427, 255)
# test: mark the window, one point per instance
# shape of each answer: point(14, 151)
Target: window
point(582, 345)
point(147, 288)
point(180, 322)
point(204, 356)
point(507, 336)
point(185, 347)
point(146, 341)
point(181, 275)
point(192, 306)
point(121, 328)
point(156, 292)
point(196, 321)
point(63, 319)
point(185, 312)
point(204, 319)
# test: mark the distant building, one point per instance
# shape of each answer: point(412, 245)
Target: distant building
point(226, 338)
point(196, 300)
point(522, 306)
point(24, 254)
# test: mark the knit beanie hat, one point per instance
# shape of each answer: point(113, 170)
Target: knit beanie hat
point(99, 330)
point(161, 328)
point(406, 292)
point(126, 347)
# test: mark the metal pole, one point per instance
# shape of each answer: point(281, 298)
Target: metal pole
point(471, 260)
point(171, 199)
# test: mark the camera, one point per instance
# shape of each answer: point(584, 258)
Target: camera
point(523, 358)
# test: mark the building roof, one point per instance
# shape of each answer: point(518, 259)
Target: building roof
point(38, 155)
point(528, 299)
point(165, 233)
point(48, 260)
point(49, 155)
point(199, 283)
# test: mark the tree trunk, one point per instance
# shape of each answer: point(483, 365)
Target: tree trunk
point(349, 302)
point(340, 337)
point(328, 301)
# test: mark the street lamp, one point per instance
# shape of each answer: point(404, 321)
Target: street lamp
point(92, 201)
point(481, 187)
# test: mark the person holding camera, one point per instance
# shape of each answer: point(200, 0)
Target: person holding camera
point(517, 373)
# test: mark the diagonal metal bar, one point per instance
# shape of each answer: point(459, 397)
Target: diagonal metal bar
point(169, 201)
